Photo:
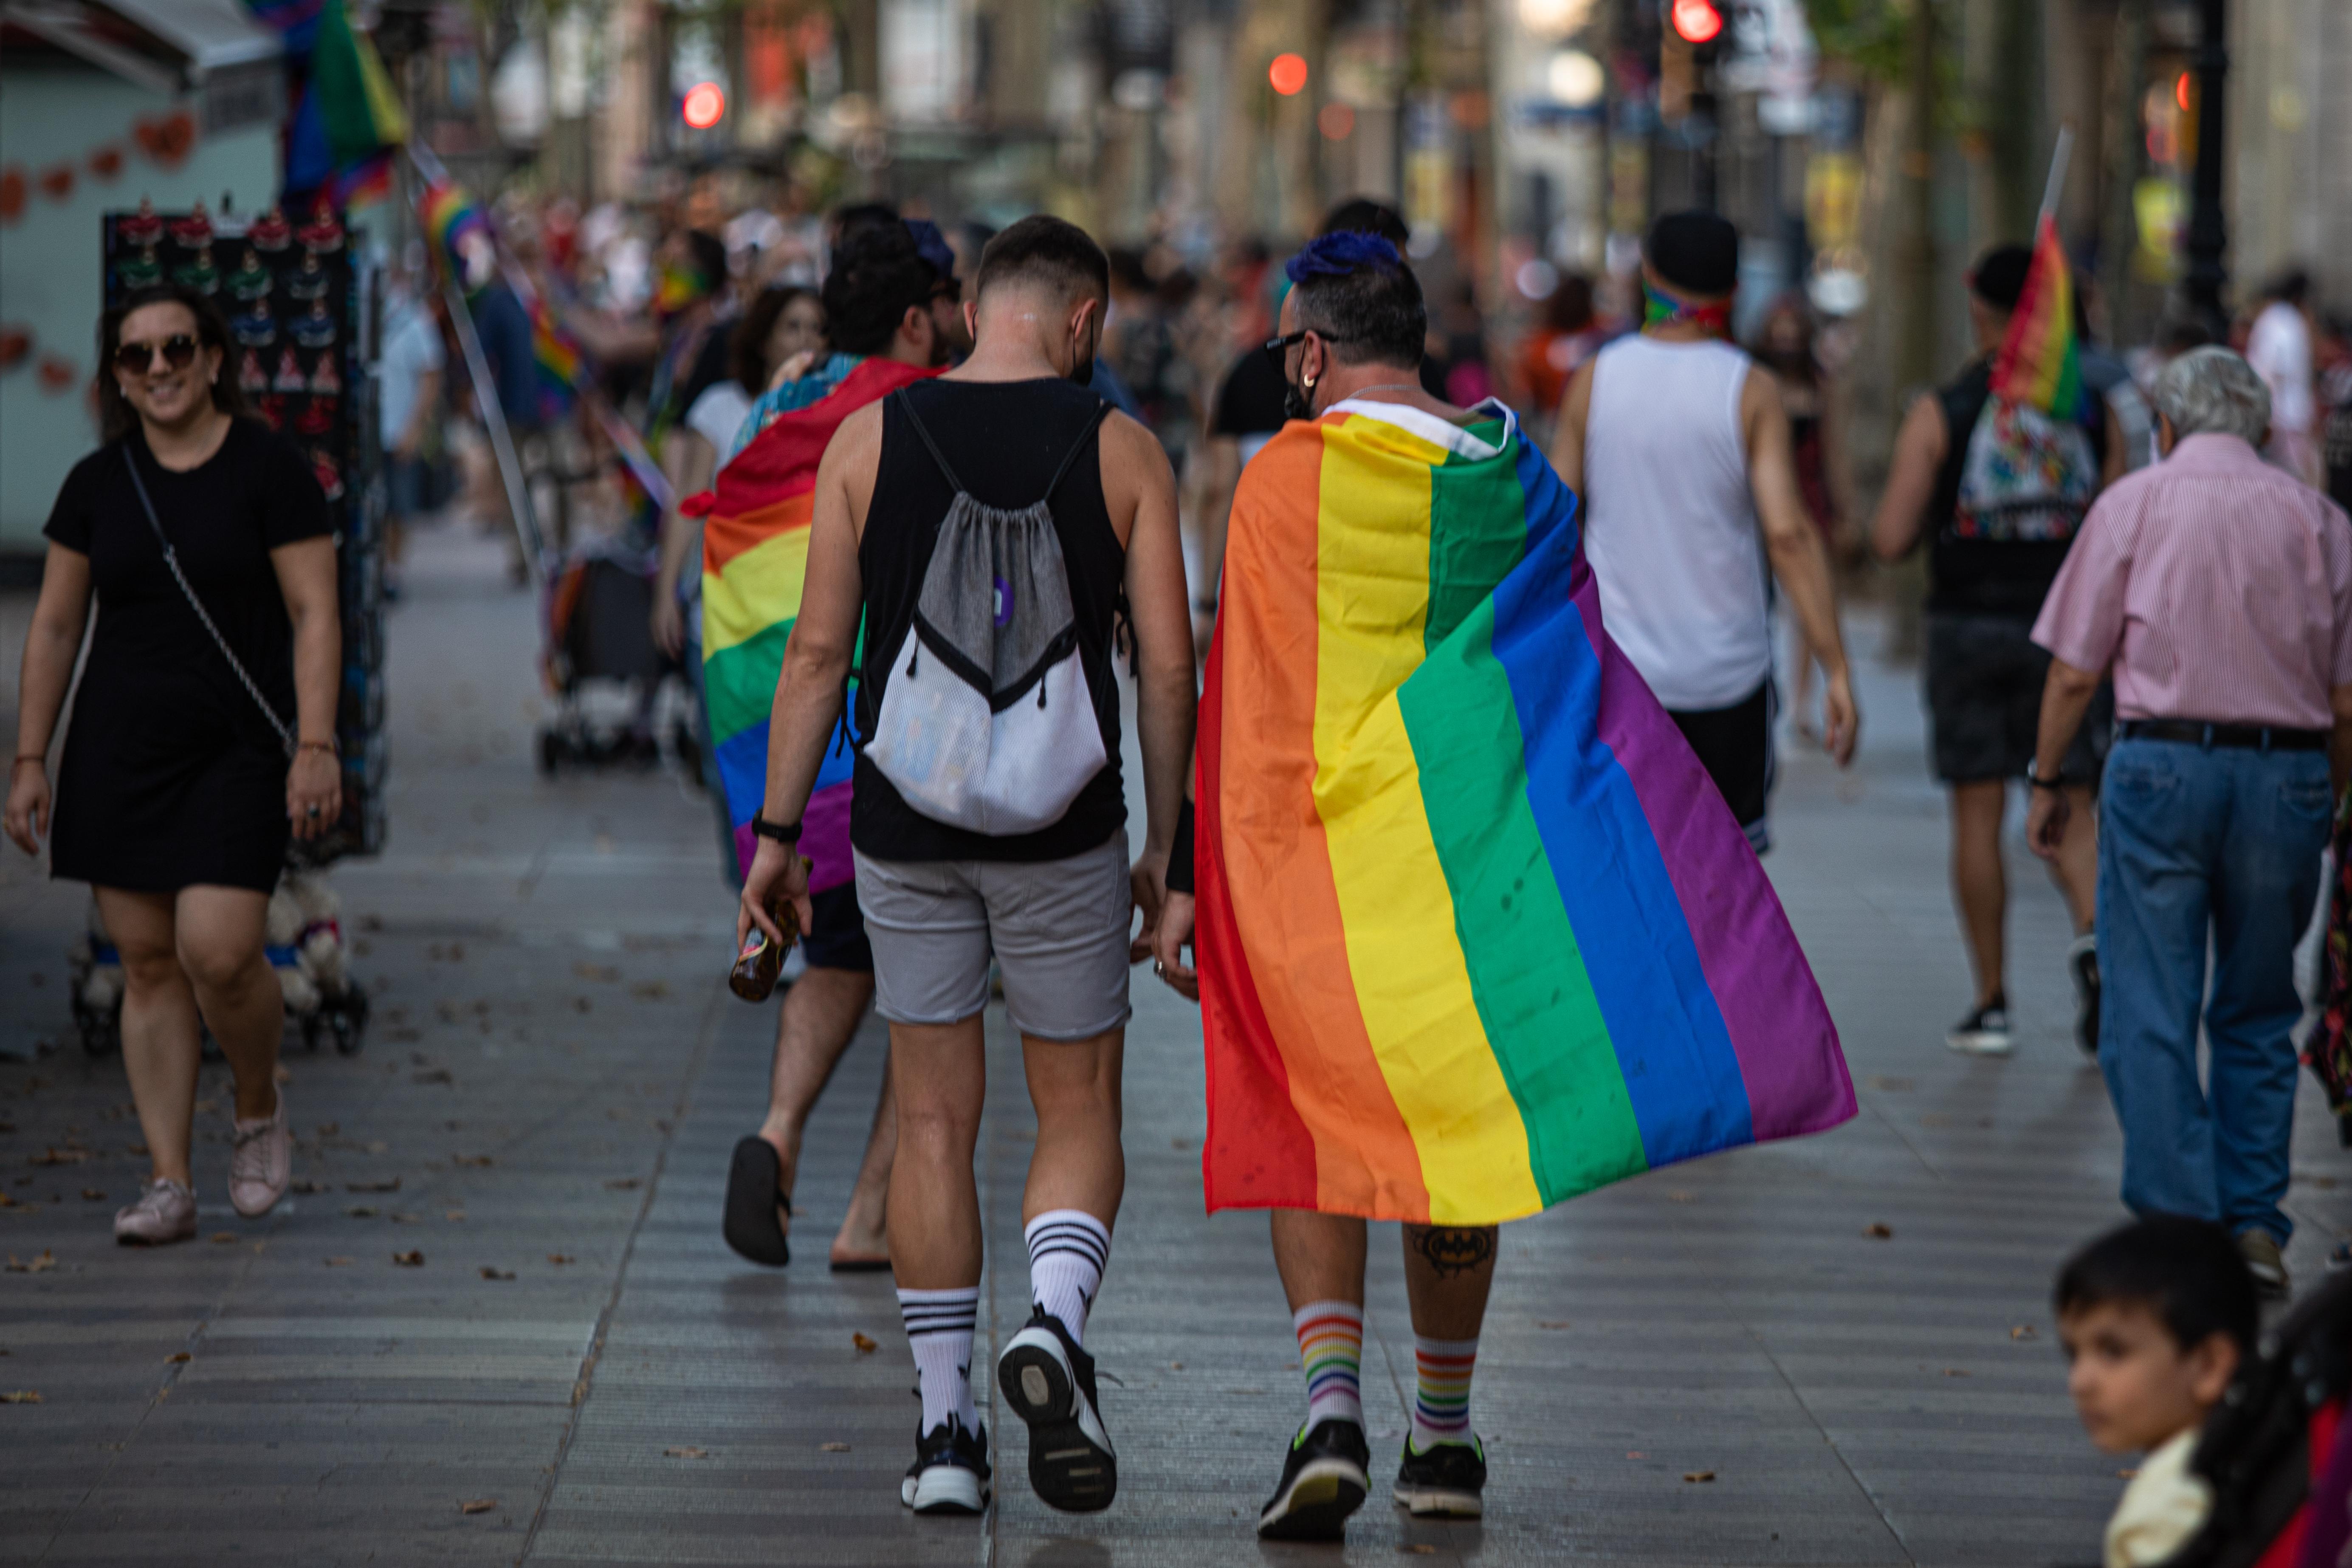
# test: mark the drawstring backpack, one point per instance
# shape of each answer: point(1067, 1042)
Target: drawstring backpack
point(988, 720)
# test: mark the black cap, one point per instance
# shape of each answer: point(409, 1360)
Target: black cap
point(1695, 252)
point(1998, 276)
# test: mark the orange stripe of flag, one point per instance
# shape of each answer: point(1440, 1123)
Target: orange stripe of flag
point(725, 538)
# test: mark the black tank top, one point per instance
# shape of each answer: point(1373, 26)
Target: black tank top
point(1985, 576)
point(1003, 440)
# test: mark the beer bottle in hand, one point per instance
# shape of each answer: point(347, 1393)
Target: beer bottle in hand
point(756, 966)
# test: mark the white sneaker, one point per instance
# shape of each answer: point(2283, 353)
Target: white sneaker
point(262, 1162)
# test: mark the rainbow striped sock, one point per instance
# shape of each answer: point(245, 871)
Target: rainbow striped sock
point(1331, 1354)
point(1440, 1405)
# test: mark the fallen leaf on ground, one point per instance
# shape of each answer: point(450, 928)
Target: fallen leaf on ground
point(833, 1447)
point(432, 1075)
point(389, 1186)
point(560, 1258)
point(379, 1147)
point(341, 1262)
point(2128, 1475)
point(483, 1160)
point(405, 1219)
point(41, 1265)
point(1551, 1322)
point(2023, 1331)
point(328, 1129)
point(865, 1346)
point(60, 1157)
point(224, 1236)
point(587, 971)
point(304, 1187)
point(21, 1396)
point(1679, 1196)
point(455, 1214)
point(360, 1210)
point(687, 1452)
point(409, 1260)
point(178, 1356)
point(490, 1273)
point(93, 1196)
point(1175, 1367)
point(1699, 1474)
point(623, 1183)
point(1418, 1549)
point(1637, 1453)
point(1879, 1232)
point(479, 1505)
point(651, 990)
point(1954, 1372)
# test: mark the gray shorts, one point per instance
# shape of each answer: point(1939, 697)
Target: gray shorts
point(1058, 930)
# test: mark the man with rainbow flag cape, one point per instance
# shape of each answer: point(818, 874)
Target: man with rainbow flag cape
point(1996, 471)
point(1475, 933)
point(755, 540)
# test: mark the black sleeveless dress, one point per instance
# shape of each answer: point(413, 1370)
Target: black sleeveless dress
point(171, 777)
point(1005, 440)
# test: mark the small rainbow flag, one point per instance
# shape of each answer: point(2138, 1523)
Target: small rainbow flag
point(2038, 362)
point(1476, 932)
point(450, 214)
point(755, 537)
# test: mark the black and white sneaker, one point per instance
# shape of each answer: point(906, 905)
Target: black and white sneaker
point(1048, 1381)
point(1446, 1482)
point(2083, 965)
point(1984, 1032)
point(1324, 1479)
point(951, 1473)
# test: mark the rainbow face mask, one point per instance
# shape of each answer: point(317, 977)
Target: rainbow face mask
point(677, 288)
point(1658, 310)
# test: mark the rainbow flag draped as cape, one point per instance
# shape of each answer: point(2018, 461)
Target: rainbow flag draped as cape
point(2038, 362)
point(755, 538)
point(1476, 932)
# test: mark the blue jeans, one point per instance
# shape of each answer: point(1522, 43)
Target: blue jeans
point(2194, 841)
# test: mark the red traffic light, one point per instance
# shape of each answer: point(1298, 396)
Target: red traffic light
point(704, 104)
point(1696, 21)
point(1287, 75)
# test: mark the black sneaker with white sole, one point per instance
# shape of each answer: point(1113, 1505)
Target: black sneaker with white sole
point(1048, 1380)
point(1984, 1032)
point(1323, 1479)
point(950, 1472)
point(1447, 1482)
point(2082, 967)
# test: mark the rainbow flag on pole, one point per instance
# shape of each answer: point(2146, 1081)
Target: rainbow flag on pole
point(2038, 362)
point(755, 538)
point(1476, 932)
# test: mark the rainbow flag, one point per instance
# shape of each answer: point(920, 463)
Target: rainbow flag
point(1476, 932)
point(2038, 362)
point(755, 536)
point(449, 214)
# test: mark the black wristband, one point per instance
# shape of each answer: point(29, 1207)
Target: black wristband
point(1180, 856)
point(2041, 782)
point(781, 832)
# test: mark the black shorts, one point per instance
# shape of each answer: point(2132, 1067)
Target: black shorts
point(1735, 746)
point(1984, 678)
point(836, 937)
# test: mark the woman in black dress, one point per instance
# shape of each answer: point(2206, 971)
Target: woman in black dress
point(176, 793)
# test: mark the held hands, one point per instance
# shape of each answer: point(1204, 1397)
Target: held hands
point(1148, 882)
point(314, 792)
point(28, 817)
point(778, 871)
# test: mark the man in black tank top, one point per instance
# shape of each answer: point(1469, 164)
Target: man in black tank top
point(1989, 567)
point(1007, 449)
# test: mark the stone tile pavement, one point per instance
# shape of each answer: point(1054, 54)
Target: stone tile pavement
point(577, 1371)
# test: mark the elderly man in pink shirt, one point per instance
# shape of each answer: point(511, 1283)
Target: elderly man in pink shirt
point(2218, 591)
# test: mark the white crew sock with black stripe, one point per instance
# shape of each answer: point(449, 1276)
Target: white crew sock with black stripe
point(939, 1330)
point(1067, 1249)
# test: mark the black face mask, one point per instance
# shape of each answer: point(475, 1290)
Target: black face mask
point(1295, 402)
point(1082, 365)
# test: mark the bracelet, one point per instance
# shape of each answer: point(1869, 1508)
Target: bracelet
point(327, 746)
point(2041, 782)
point(781, 832)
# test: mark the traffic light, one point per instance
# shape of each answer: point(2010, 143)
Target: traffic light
point(704, 104)
point(1696, 21)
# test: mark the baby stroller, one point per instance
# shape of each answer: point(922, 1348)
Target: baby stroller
point(2274, 1449)
point(305, 935)
point(599, 629)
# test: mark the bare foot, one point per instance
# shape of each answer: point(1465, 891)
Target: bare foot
point(861, 1246)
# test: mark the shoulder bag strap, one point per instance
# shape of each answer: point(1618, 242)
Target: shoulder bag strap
point(1102, 412)
point(172, 560)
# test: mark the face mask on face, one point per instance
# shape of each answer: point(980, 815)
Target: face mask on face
point(1082, 359)
point(1295, 402)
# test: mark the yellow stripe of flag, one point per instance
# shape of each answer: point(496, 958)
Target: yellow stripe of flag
point(745, 597)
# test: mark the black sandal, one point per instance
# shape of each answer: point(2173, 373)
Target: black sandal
point(751, 1225)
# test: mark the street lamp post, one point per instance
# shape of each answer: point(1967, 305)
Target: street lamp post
point(2208, 230)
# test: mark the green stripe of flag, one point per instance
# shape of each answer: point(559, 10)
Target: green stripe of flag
point(1527, 972)
point(739, 683)
point(1477, 532)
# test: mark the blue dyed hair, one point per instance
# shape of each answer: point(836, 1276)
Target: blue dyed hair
point(1341, 255)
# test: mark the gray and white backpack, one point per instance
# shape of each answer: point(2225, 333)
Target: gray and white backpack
point(988, 720)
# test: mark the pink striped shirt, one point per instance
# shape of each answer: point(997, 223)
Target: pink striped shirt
point(2217, 587)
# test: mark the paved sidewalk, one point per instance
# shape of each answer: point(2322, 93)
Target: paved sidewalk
point(1712, 1364)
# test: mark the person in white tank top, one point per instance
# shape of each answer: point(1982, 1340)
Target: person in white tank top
point(1678, 446)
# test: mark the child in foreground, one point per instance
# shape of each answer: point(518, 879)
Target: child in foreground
point(2155, 1317)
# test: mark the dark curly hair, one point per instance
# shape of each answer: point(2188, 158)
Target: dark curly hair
point(116, 417)
point(877, 277)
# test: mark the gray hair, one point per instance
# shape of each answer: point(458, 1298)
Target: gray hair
point(2212, 390)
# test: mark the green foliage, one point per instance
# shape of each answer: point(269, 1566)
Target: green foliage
point(1871, 35)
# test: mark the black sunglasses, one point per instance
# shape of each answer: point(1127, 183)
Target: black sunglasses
point(1276, 347)
point(135, 359)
